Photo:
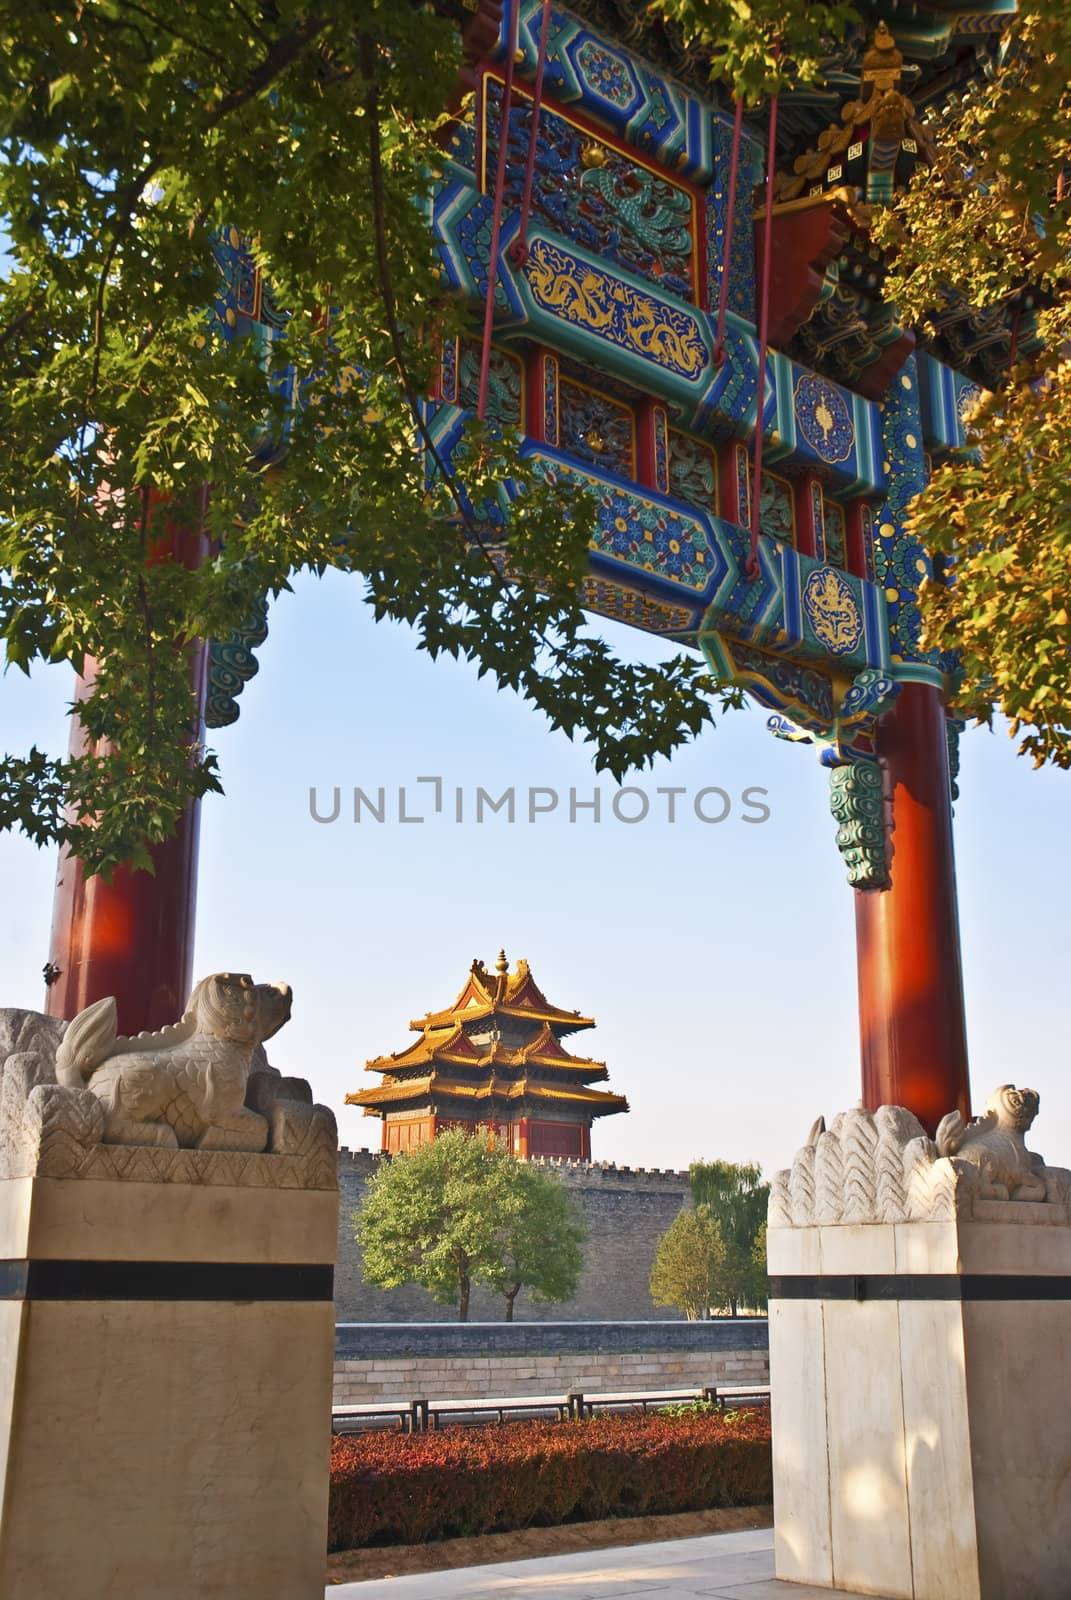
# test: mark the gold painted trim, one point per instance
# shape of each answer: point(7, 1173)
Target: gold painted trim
point(633, 155)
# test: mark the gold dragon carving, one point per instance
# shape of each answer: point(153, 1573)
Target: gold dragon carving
point(614, 310)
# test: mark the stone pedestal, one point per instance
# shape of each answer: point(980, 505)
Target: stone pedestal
point(920, 1362)
point(165, 1381)
point(166, 1340)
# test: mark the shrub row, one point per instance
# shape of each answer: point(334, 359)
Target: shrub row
point(390, 1488)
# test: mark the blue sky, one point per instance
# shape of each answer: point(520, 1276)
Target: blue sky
point(717, 959)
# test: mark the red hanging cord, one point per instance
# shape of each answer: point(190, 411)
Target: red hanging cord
point(519, 249)
point(727, 246)
point(752, 568)
point(496, 215)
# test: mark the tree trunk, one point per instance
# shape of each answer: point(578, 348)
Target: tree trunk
point(732, 1305)
point(511, 1295)
point(463, 1303)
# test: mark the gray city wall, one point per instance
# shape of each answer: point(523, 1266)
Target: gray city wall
point(475, 1361)
point(625, 1212)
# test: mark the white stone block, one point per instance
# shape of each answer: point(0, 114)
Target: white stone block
point(926, 1246)
point(1015, 1247)
point(852, 1249)
point(922, 1442)
point(164, 1446)
point(868, 1502)
point(937, 1447)
point(802, 1534)
point(793, 1250)
point(1018, 1389)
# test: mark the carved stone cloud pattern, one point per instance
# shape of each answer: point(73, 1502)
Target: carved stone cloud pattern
point(871, 1167)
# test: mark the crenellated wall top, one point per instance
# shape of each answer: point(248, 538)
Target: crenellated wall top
point(577, 1172)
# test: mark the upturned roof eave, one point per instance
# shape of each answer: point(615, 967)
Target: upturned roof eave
point(598, 1101)
point(563, 1021)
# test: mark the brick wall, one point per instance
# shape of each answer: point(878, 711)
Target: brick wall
point(472, 1361)
point(624, 1210)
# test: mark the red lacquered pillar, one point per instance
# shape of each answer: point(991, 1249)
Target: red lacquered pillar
point(911, 1016)
point(133, 936)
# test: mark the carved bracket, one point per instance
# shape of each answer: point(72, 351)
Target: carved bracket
point(858, 804)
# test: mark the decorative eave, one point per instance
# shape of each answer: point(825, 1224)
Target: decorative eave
point(821, 215)
point(943, 40)
point(826, 304)
point(600, 1102)
point(433, 1042)
point(815, 240)
point(453, 1046)
point(503, 993)
point(877, 139)
point(597, 1102)
point(808, 235)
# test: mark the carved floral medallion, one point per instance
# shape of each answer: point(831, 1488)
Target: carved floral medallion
point(823, 418)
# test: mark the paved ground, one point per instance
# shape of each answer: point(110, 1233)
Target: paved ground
point(721, 1566)
point(530, 1544)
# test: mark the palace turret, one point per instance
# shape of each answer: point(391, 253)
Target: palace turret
point(493, 1059)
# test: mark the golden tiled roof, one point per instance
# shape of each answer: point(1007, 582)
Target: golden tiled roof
point(597, 1102)
point(507, 994)
point(447, 1061)
point(452, 1044)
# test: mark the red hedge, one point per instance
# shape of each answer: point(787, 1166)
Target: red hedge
point(389, 1488)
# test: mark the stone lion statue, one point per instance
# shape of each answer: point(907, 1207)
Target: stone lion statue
point(994, 1144)
point(185, 1085)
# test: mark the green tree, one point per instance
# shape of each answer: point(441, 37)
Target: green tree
point(736, 1198)
point(138, 134)
point(760, 46)
point(541, 1241)
point(461, 1211)
point(437, 1217)
point(689, 1259)
point(758, 1289)
point(992, 217)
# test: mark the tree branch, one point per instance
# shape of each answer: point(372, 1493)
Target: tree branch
point(16, 325)
point(283, 54)
point(183, 38)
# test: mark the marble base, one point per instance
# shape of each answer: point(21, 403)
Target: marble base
point(922, 1442)
point(165, 1390)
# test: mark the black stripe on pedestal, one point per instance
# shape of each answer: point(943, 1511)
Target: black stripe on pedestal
point(164, 1280)
point(966, 1286)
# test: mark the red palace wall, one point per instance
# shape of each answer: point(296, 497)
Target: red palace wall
point(407, 1132)
point(532, 1138)
point(525, 1138)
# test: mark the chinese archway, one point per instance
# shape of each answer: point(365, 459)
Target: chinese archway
point(605, 354)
